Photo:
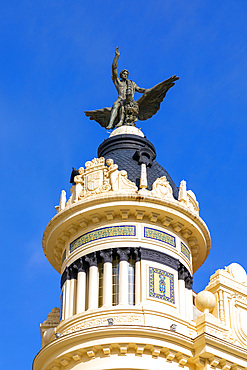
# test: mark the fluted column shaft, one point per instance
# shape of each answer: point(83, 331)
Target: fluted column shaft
point(93, 286)
point(107, 277)
point(81, 288)
point(189, 300)
point(66, 295)
point(123, 275)
point(72, 290)
point(181, 291)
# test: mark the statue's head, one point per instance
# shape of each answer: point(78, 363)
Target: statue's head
point(124, 74)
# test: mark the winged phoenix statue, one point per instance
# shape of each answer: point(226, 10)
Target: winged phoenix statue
point(126, 111)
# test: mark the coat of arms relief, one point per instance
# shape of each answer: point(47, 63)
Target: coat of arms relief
point(101, 176)
point(97, 178)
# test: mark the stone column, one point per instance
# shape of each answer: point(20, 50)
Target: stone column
point(93, 286)
point(81, 287)
point(72, 290)
point(66, 294)
point(62, 298)
point(189, 298)
point(123, 275)
point(107, 277)
point(181, 290)
point(137, 277)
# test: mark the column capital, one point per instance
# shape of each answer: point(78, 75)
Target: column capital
point(106, 254)
point(123, 254)
point(81, 265)
point(92, 259)
point(137, 254)
point(181, 272)
point(188, 281)
point(73, 271)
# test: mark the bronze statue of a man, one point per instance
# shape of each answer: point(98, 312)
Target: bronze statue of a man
point(126, 111)
point(126, 91)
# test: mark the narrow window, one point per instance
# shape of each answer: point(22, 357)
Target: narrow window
point(100, 270)
point(131, 282)
point(115, 281)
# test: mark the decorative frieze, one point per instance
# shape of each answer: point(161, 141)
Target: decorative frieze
point(160, 236)
point(159, 257)
point(185, 251)
point(105, 232)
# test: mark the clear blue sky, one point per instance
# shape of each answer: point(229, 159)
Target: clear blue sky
point(56, 62)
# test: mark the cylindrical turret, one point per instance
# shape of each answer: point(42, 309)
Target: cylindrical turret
point(126, 244)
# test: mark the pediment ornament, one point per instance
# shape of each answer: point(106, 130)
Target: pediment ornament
point(162, 188)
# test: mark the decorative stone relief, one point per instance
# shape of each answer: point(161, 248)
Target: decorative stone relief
point(118, 320)
point(48, 326)
point(239, 318)
point(230, 288)
point(119, 179)
point(97, 178)
point(162, 188)
point(188, 198)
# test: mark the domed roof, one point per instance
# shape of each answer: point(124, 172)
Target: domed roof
point(129, 151)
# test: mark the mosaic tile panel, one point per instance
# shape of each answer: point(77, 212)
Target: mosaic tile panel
point(161, 285)
point(185, 251)
point(160, 236)
point(104, 232)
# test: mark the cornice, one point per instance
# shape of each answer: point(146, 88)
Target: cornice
point(146, 206)
point(210, 342)
point(87, 344)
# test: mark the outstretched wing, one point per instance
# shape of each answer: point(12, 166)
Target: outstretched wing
point(102, 116)
point(149, 102)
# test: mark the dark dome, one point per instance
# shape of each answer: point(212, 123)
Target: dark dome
point(128, 151)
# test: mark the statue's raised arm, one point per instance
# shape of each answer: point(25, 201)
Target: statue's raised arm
point(115, 64)
point(126, 111)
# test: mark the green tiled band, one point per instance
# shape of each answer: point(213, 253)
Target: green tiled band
point(160, 236)
point(104, 232)
point(185, 251)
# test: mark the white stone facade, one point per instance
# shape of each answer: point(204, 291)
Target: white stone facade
point(126, 258)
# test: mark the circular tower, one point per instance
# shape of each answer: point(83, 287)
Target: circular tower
point(126, 244)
